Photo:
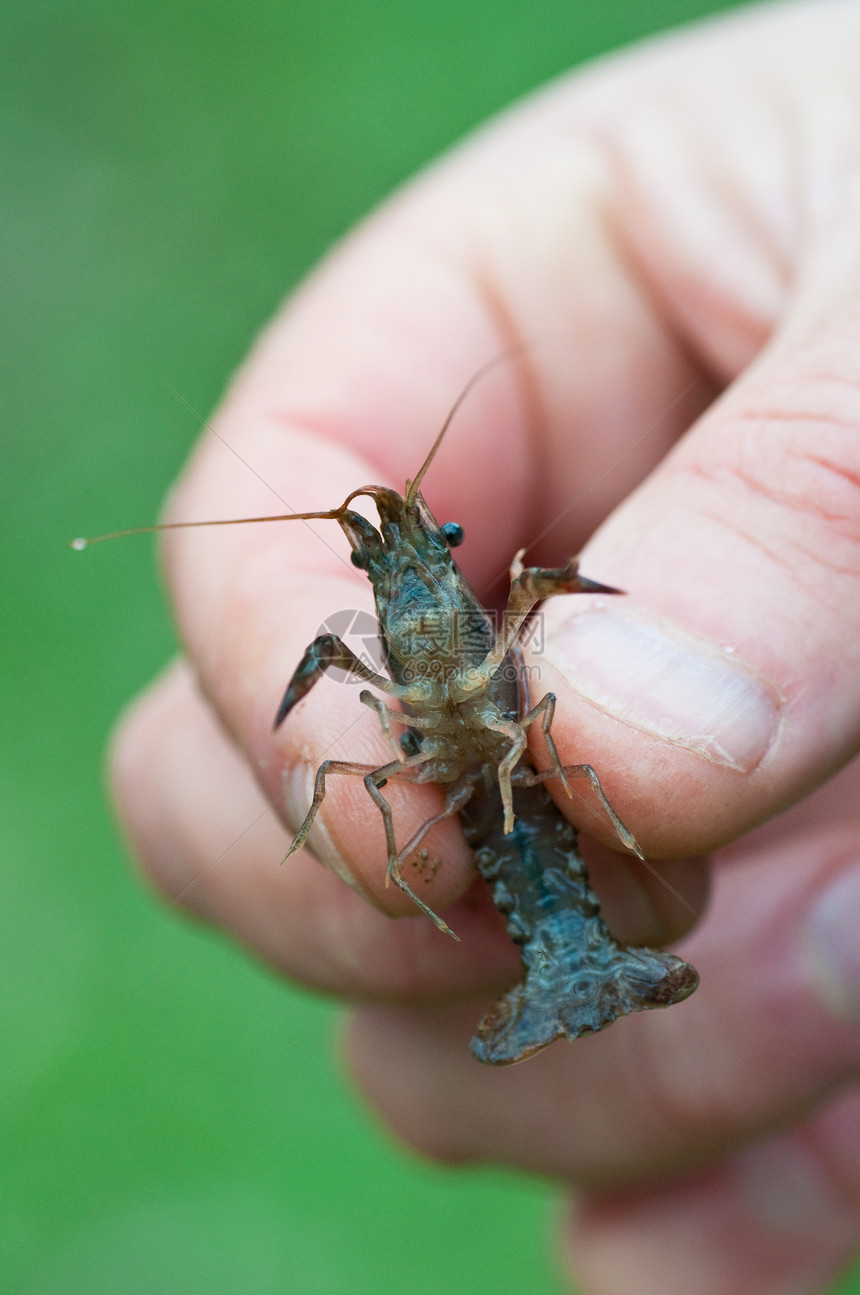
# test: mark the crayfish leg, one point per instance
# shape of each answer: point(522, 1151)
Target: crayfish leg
point(530, 778)
point(623, 833)
point(327, 767)
point(373, 781)
point(385, 714)
point(509, 728)
point(457, 795)
point(546, 707)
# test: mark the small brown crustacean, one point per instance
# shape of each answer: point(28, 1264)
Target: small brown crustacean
point(464, 714)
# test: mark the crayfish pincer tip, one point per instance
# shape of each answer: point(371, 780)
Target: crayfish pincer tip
point(587, 586)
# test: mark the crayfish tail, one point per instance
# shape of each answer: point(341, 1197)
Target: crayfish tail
point(560, 1000)
point(577, 977)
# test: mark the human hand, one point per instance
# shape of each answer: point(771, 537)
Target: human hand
point(685, 218)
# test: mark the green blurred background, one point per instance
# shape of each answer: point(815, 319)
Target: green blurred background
point(172, 1118)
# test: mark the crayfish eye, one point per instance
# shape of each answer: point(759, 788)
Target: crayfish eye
point(454, 534)
point(358, 558)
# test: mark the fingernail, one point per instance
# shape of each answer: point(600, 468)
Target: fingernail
point(298, 782)
point(657, 678)
point(832, 944)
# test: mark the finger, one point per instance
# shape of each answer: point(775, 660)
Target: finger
point(781, 1217)
point(722, 688)
point(773, 1028)
point(209, 841)
point(731, 665)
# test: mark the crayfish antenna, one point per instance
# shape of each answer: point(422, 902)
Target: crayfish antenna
point(412, 487)
point(83, 542)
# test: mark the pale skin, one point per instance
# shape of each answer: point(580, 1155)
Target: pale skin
point(687, 213)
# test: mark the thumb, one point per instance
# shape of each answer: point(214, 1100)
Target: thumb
point(724, 687)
